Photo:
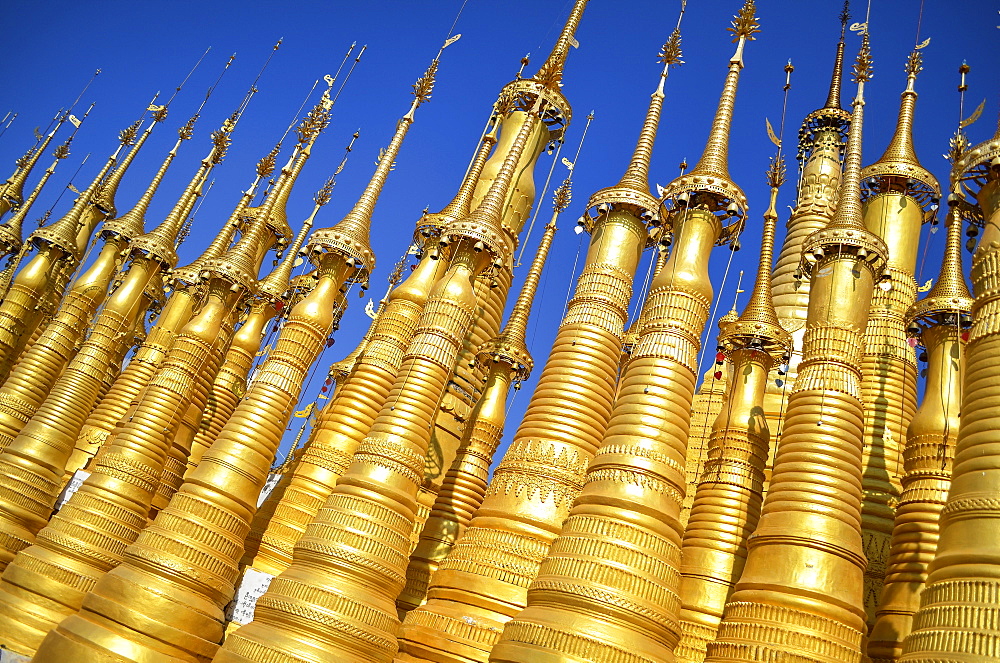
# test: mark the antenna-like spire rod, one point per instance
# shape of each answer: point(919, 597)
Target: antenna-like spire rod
point(350, 71)
point(193, 69)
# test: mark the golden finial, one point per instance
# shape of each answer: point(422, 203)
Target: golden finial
point(637, 174)
point(63, 233)
point(836, 80)
point(351, 235)
point(758, 327)
point(241, 263)
point(551, 72)
point(10, 230)
point(430, 225)
point(12, 190)
point(276, 284)
point(845, 234)
point(709, 183)
point(848, 212)
point(863, 64)
point(132, 223)
point(949, 300)
point(959, 143)
point(425, 84)
point(745, 23)
point(268, 162)
point(160, 243)
point(899, 166)
point(325, 192)
point(563, 195)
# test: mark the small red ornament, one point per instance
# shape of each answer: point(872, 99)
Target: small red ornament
point(718, 375)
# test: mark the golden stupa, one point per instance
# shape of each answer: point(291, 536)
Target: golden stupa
point(827, 491)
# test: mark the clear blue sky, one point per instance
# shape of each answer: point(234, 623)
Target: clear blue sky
point(51, 49)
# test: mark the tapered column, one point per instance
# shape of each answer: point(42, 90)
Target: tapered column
point(940, 322)
point(353, 573)
point(506, 360)
point(728, 498)
point(958, 615)
point(347, 418)
point(897, 192)
point(39, 367)
point(801, 592)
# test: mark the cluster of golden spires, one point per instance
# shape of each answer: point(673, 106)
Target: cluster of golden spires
point(827, 519)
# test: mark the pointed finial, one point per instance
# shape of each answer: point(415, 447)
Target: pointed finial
point(10, 230)
point(351, 235)
point(848, 214)
point(709, 183)
point(63, 233)
point(899, 167)
point(160, 243)
point(509, 346)
point(637, 174)
point(845, 235)
point(758, 327)
point(132, 223)
point(105, 197)
point(276, 283)
point(12, 190)
point(551, 72)
point(949, 300)
point(430, 225)
point(836, 80)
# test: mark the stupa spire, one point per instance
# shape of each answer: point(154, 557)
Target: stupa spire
point(516, 327)
point(12, 190)
point(159, 243)
point(132, 223)
point(848, 214)
point(276, 283)
point(224, 238)
point(62, 234)
point(352, 233)
point(274, 292)
point(460, 206)
point(760, 307)
point(727, 500)
point(551, 72)
point(714, 159)
point(836, 79)
point(844, 259)
point(11, 229)
point(637, 174)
